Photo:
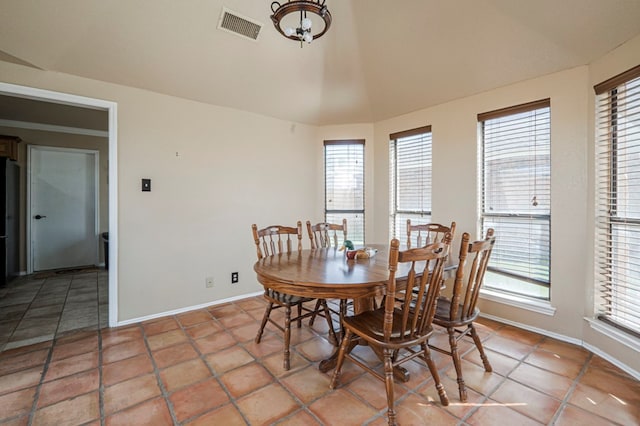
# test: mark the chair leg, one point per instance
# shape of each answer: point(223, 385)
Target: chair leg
point(265, 318)
point(315, 312)
point(299, 315)
point(327, 314)
point(478, 342)
point(341, 353)
point(453, 343)
point(444, 400)
point(388, 384)
point(287, 336)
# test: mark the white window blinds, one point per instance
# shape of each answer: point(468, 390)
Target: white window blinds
point(344, 186)
point(515, 196)
point(617, 248)
point(410, 179)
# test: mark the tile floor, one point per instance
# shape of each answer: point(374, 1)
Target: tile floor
point(203, 368)
point(41, 307)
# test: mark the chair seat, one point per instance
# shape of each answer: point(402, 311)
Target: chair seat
point(443, 314)
point(286, 299)
point(369, 325)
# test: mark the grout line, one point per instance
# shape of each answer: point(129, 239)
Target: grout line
point(275, 379)
point(24, 313)
point(36, 395)
point(214, 375)
point(571, 389)
point(485, 398)
point(156, 371)
point(66, 297)
point(101, 380)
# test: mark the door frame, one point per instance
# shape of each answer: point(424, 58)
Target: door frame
point(96, 201)
point(112, 108)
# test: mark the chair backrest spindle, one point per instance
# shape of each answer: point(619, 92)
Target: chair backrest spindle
point(469, 291)
point(323, 234)
point(269, 240)
point(428, 233)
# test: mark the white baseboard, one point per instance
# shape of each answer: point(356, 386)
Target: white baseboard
point(542, 331)
point(622, 366)
point(632, 372)
point(187, 309)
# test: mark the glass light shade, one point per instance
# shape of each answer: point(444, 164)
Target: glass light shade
point(289, 31)
point(305, 23)
point(308, 37)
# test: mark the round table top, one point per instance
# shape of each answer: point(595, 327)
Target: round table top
point(327, 273)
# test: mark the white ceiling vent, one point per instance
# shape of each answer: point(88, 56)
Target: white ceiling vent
point(235, 23)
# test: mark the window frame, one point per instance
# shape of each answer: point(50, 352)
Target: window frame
point(396, 228)
point(611, 296)
point(544, 219)
point(345, 212)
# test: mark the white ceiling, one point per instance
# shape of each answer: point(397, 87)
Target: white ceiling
point(380, 58)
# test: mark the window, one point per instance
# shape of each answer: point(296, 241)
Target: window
point(617, 244)
point(516, 195)
point(344, 186)
point(410, 179)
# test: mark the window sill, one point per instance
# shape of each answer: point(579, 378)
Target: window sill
point(614, 333)
point(537, 306)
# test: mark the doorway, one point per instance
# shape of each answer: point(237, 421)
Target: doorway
point(50, 97)
point(62, 208)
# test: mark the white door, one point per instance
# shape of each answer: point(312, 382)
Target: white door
point(63, 207)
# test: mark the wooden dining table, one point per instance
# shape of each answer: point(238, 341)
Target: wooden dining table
point(327, 273)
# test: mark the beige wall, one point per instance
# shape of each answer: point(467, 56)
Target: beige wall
point(37, 137)
point(232, 168)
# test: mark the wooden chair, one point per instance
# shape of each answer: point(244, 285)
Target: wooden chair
point(461, 310)
point(401, 326)
point(428, 233)
point(270, 241)
point(326, 233)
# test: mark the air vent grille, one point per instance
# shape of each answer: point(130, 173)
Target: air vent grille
point(237, 24)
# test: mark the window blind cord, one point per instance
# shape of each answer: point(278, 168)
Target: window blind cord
point(534, 201)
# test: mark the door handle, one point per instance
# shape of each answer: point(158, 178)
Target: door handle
point(38, 217)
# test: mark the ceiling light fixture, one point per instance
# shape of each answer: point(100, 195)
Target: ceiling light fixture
point(305, 30)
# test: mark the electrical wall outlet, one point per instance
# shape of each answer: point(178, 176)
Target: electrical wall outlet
point(234, 277)
point(209, 282)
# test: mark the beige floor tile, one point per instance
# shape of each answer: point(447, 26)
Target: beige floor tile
point(246, 379)
point(186, 373)
point(341, 405)
point(197, 399)
point(531, 403)
point(130, 392)
point(267, 404)
point(154, 412)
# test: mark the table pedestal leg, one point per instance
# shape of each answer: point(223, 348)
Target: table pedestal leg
point(329, 364)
